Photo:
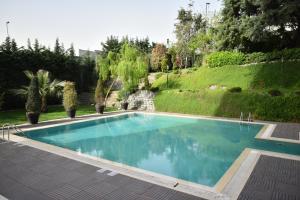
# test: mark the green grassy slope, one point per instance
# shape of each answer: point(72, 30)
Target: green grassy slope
point(189, 92)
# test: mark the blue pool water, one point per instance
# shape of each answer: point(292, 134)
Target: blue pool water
point(195, 150)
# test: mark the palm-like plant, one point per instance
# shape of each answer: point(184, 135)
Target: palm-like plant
point(46, 87)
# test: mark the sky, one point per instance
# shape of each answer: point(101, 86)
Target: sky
point(87, 23)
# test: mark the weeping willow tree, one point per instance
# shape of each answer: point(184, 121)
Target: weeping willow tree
point(106, 68)
point(131, 68)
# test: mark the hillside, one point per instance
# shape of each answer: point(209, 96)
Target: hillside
point(190, 92)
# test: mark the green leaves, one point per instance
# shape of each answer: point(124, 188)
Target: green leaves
point(70, 96)
point(221, 58)
point(33, 103)
point(132, 66)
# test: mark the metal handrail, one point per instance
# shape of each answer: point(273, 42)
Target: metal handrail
point(8, 127)
point(3, 128)
point(17, 129)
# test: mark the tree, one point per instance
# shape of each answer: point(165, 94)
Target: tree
point(99, 94)
point(187, 26)
point(131, 67)
point(260, 25)
point(46, 87)
point(70, 96)
point(58, 49)
point(33, 104)
point(112, 44)
point(157, 56)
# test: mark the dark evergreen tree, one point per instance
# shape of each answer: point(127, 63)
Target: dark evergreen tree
point(111, 44)
point(260, 25)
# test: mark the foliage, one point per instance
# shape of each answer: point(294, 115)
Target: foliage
point(221, 58)
point(157, 57)
point(260, 25)
point(1, 99)
point(221, 103)
point(61, 63)
point(113, 44)
point(69, 96)
point(132, 67)
point(146, 82)
point(54, 112)
point(154, 89)
point(202, 41)
point(46, 87)
point(255, 81)
point(261, 77)
point(33, 104)
point(103, 67)
point(284, 55)
point(255, 57)
point(187, 26)
point(275, 92)
point(99, 92)
point(235, 90)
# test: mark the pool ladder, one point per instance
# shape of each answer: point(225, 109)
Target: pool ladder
point(249, 119)
point(9, 127)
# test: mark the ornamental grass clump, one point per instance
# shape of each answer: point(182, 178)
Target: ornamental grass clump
point(70, 99)
point(33, 103)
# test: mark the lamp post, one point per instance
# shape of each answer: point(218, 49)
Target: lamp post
point(206, 8)
point(7, 28)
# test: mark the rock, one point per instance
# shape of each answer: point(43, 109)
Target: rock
point(141, 100)
point(213, 87)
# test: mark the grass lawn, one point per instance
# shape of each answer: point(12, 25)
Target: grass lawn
point(54, 112)
point(189, 92)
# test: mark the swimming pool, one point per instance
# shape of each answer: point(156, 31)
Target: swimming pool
point(192, 149)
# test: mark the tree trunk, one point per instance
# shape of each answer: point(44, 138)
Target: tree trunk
point(44, 107)
point(109, 89)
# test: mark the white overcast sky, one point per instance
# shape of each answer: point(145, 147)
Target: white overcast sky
point(87, 23)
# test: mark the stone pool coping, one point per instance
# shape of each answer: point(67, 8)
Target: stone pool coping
point(227, 187)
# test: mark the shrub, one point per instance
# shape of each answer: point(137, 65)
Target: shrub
point(146, 83)
point(176, 71)
point(297, 93)
point(221, 58)
point(291, 54)
point(33, 103)
point(255, 57)
point(275, 93)
point(70, 96)
point(158, 75)
point(154, 89)
point(1, 100)
point(99, 93)
point(235, 90)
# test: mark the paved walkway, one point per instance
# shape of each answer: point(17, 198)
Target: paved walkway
point(287, 130)
point(29, 173)
point(273, 178)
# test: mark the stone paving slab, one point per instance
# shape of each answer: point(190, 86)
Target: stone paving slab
point(52, 177)
point(273, 178)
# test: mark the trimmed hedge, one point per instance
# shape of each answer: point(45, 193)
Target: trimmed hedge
point(221, 58)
